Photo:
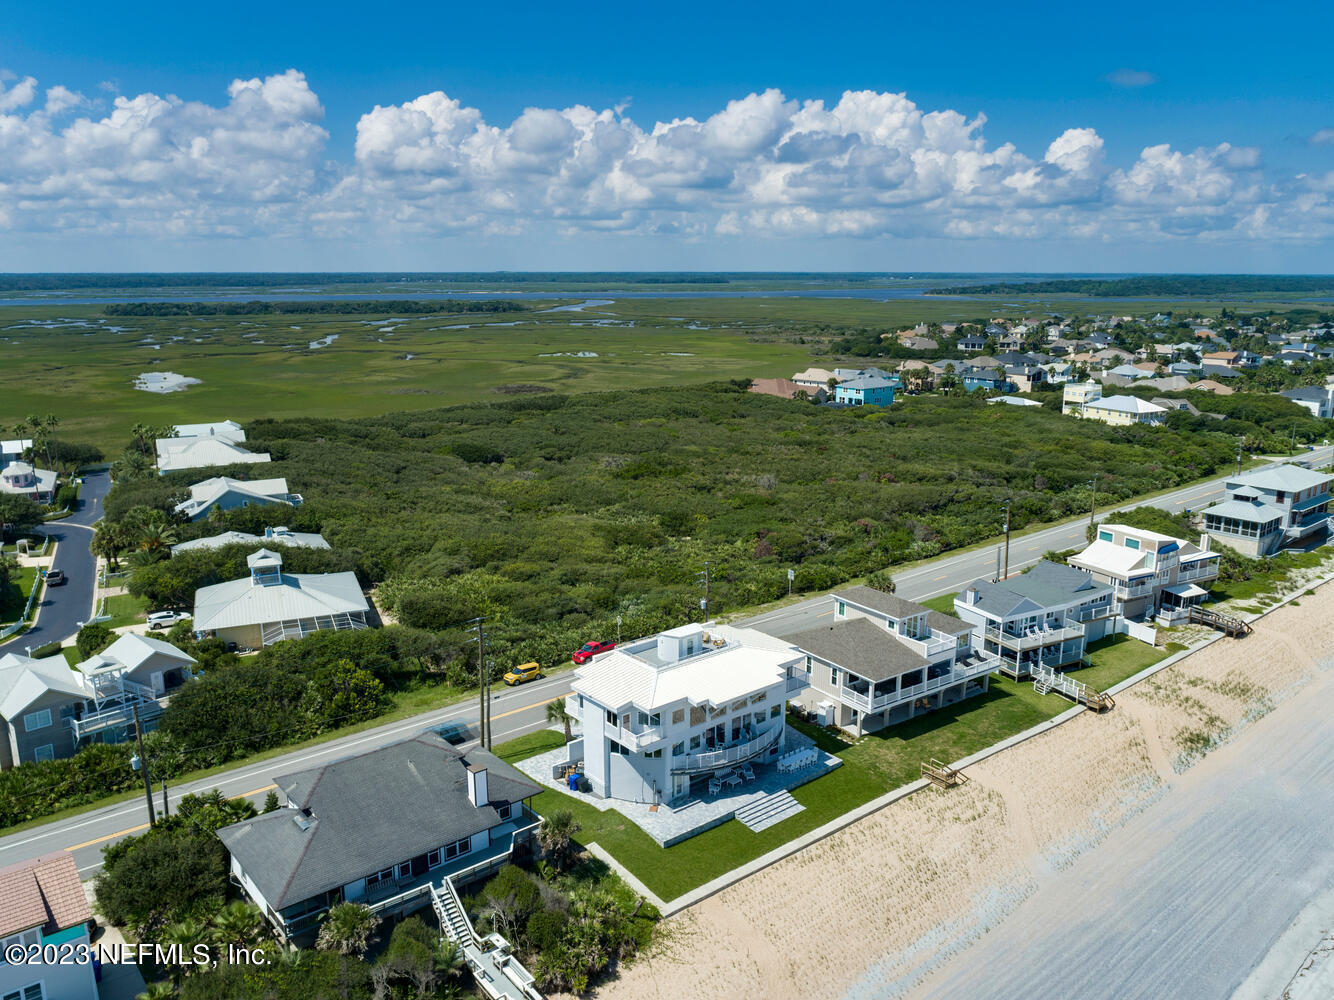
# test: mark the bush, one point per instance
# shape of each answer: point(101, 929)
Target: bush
point(66, 497)
point(50, 649)
point(93, 638)
point(159, 878)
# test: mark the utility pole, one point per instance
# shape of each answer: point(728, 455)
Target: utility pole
point(143, 767)
point(1006, 575)
point(165, 814)
point(1093, 508)
point(1294, 438)
point(1240, 440)
point(483, 687)
point(704, 578)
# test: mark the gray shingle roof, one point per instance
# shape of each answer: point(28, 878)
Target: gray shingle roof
point(947, 623)
point(860, 646)
point(1046, 585)
point(878, 600)
point(366, 813)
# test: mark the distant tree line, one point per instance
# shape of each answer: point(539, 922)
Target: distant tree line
point(1166, 285)
point(409, 307)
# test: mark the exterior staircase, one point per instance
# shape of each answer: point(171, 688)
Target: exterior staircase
point(454, 922)
point(1047, 679)
point(769, 809)
point(1232, 627)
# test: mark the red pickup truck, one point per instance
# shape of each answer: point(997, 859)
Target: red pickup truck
point(591, 649)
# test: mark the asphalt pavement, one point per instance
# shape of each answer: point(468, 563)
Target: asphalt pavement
point(64, 608)
point(522, 710)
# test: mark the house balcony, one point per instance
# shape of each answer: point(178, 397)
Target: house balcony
point(797, 683)
point(1207, 570)
point(1091, 613)
point(115, 707)
point(739, 753)
point(641, 739)
point(932, 648)
point(1033, 638)
point(976, 666)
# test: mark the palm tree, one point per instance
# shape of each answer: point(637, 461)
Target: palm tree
point(39, 435)
point(142, 434)
point(187, 934)
point(555, 835)
point(49, 422)
point(130, 466)
point(556, 713)
point(238, 923)
point(347, 929)
point(449, 960)
point(157, 991)
point(156, 535)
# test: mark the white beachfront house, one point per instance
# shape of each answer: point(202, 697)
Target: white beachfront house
point(661, 714)
point(271, 605)
point(885, 660)
point(224, 494)
point(1151, 574)
point(1046, 616)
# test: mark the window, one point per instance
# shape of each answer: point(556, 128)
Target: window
point(434, 859)
point(37, 720)
point(405, 870)
point(615, 747)
point(504, 810)
point(611, 717)
point(655, 719)
point(46, 751)
point(678, 748)
point(1132, 543)
point(380, 878)
point(1104, 536)
point(33, 936)
point(678, 716)
point(775, 711)
point(755, 699)
point(458, 848)
point(833, 676)
point(33, 991)
point(759, 717)
point(808, 666)
point(842, 608)
point(694, 742)
point(653, 754)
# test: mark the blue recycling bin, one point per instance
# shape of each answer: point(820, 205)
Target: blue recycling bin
point(574, 781)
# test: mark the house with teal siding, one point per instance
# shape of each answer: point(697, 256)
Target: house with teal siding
point(868, 390)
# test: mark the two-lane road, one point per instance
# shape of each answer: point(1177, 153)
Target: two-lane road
point(63, 608)
point(523, 709)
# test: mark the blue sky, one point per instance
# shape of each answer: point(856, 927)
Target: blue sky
point(1163, 136)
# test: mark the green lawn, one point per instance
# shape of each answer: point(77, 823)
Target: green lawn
point(14, 597)
point(944, 603)
point(1116, 658)
point(872, 766)
point(125, 610)
point(1263, 584)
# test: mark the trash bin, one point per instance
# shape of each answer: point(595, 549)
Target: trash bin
point(574, 781)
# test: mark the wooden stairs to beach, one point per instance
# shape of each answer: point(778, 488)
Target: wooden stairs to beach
point(1234, 628)
point(1047, 679)
point(942, 775)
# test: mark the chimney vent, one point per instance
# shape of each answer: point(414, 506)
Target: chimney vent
point(477, 793)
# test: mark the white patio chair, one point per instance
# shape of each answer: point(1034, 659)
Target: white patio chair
point(747, 772)
point(715, 785)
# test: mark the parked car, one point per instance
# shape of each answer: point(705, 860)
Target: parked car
point(523, 672)
point(55, 577)
point(591, 649)
point(166, 619)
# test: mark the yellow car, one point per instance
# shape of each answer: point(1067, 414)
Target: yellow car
point(523, 672)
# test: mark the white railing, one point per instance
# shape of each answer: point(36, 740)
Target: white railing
point(300, 628)
point(1042, 634)
point(957, 675)
point(38, 583)
point(639, 740)
point(729, 755)
point(927, 648)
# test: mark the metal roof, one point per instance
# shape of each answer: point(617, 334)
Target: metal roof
point(271, 536)
point(1284, 476)
point(23, 680)
point(748, 661)
point(200, 452)
point(1124, 404)
point(238, 603)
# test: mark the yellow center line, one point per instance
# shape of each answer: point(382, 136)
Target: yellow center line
point(144, 826)
point(246, 795)
point(941, 577)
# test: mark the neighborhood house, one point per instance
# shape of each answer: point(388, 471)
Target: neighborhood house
point(886, 660)
point(1150, 574)
point(271, 536)
point(1046, 616)
point(42, 904)
point(28, 481)
point(380, 828)
point(661, 714)
point(222, 493)
point(271, 605)
point(1270, 509)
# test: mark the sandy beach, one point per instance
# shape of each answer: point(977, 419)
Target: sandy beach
point(897, 896)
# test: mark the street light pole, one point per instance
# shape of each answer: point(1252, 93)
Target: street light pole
point(704, 577)
point(1006, 574)
point(143, 766)
point(1240, 441)
point(1093, 509)
point(483, 686)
